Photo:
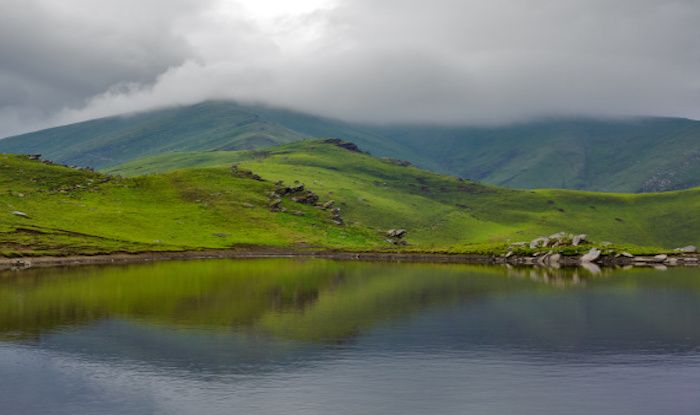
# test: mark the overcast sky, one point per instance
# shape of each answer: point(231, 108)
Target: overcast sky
point(438, 61)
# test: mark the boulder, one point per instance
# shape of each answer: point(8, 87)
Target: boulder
point(578, 239)
point(690, 249)
point(537, 242)
point(591, 256)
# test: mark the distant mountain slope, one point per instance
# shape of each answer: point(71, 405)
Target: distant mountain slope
point(633, 155)
point(110, 141)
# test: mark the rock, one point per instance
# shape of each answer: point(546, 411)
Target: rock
point(343, 144)
point(244, 174)
point(248, 205)
point(591, 256)
point(34, 157)
point(660, 257)
point(690, 249)
point(275, 205)
point(509, 254)
point(396, 233)
point(578, 239)
point(328, 205)
point(297, 213)
point(537, 242)
point(336, 218)
point(307, 197)
point(626, 255)
point(20, 214)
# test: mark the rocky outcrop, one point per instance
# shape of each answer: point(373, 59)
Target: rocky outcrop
point(395, 236)
point(236, 171)
point(343, 144)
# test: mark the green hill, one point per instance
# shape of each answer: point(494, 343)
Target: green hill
point(111, 141)
point(205, 206)
point(633, 155)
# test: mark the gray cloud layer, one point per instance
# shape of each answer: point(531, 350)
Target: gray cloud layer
point(453, 61)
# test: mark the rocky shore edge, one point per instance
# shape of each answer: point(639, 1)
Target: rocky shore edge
point(547, 260)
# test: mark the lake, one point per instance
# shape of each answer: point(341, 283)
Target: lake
point(293, 336)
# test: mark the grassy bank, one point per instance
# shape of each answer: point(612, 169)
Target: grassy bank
point(189, 201)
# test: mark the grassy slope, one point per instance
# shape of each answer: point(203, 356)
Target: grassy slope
point(442, 212)
point(207, 208)
point(646, 154)
point(207, 126)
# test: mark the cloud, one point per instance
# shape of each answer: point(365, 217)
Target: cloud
point(445, 61)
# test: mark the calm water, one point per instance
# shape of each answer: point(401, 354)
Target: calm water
point(325, 337)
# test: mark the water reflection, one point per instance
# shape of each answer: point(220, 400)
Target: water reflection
point(305, 336)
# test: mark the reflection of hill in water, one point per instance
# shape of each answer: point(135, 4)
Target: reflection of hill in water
point(327, 301)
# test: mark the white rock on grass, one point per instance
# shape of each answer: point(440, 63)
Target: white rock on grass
point(20, 214)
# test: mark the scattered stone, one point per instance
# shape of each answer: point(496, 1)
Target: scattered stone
point(626, 254)
point(537, 242)
point(244, 174)
point(298, 213)
point(248, 205)
point(660, 257)
point(222, 235)
point(34, 157)
point(336, 218)
point(275, 205)
point(396, 233)
point(578, 239)
point(20, 214)
point(591, 256)
point(690, 249)
point(307, 197)
point(509, 254)
point(328, 205)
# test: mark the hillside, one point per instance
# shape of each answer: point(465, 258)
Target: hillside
point(443, 211)
point(49, 209)
point(110, 141)
point(634, 155)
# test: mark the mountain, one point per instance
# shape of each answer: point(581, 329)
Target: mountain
point(623, 155)
point(110, 141)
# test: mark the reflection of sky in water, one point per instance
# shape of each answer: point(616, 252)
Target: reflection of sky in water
point(628, 343)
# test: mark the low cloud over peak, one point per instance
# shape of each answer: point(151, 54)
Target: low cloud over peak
point(445, 61)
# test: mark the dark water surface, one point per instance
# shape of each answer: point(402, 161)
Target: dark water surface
point(326, 337)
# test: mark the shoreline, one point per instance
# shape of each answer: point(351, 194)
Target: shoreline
point(547, 261)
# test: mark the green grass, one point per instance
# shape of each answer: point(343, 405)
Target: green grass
point(204, 208)
point(443, 213)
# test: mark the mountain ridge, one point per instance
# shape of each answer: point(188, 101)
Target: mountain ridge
point(637, 154)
